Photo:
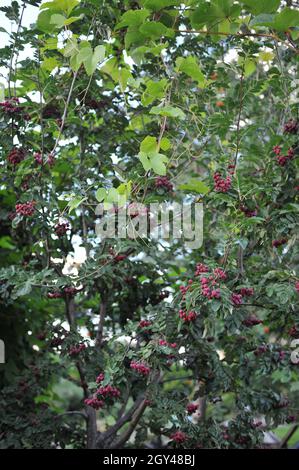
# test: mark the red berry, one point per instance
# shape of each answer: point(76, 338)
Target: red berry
point(179, 437)
point(140, 367)
point(16, 156)
point(291, 127)
point(191, 408)
point(164, 183)
point(26, 209)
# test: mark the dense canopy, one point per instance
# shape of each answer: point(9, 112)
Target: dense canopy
point(141, 342)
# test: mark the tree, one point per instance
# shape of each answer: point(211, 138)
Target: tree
point(143, 341)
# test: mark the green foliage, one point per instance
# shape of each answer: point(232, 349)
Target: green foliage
point(123, 103)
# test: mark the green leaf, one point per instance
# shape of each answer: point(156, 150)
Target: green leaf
point(149, 144)
point(66, 6)
point(158, 163)
point(44, 21)
point(71, 47)
point(50, 44)
point(24, 289)
point(84, 53)
point(154, 90)
point(282, 21)
point(132, 18)
point(169, 111)
point(153, 161)
point(262, 20)
point(191, 68)
point(93, 59)
point(5, 242)
point(249, 67)
point(262, 6)
point(49, 64)
point(155, 30)
point(144, 158)
point(58, 20)
point(74, 203)
point(112, 195)
point(101, 194)
point(165, 143)
point(195, 186)
point(2, 92)
point(72, 19)
point(286, 19)
point(157, 5)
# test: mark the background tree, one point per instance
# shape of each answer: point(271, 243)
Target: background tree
point(143, 343)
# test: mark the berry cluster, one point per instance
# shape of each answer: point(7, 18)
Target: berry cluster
point(277, 243)
point(100, 378)
point(191, 408)
point(219, 274)
point(248, 212)
point(94, 403)
point(283, 403)
point(164, 183)
point(51, 159)
point(291, 127)
point(187, 317)
point(200, 269)
point(297, 286)
point(207, 291)
point(144, 323)
point(184, 289)
point(237, 299)
point(141, 368)
point(38, 158)
point(76, 350)
point(61, 229)
point(252, 320)
point(222, 185)
point(282, 160)
point(11, 106)
point(163, 342)
point(26, 209)
point(16, 155)
point(108, 391)
point(260, 350)
point(70, 291)
point(56, 341)
point(246, 291)
point(294, 332)
point(54, 295)
point(179, 437)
